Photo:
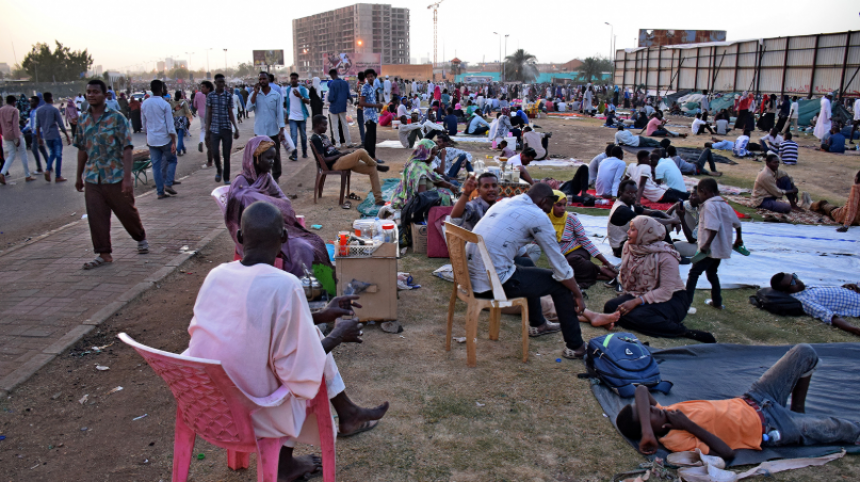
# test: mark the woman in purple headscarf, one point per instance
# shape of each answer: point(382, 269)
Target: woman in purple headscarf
point(303, 249)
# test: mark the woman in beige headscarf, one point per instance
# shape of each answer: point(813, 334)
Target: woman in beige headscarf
point(654, 301)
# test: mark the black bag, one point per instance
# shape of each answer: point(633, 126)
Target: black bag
point(777, 302)
point(415, 212)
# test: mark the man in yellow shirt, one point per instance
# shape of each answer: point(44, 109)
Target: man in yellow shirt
point(759, 418)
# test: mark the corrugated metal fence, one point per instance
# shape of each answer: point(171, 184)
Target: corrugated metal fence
point(803, 66)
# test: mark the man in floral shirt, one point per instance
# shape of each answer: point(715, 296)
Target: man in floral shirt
point(104, 147)
point(367, 101)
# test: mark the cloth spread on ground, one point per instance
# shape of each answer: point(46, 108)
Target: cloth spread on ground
point(645, 203)
point(689, 154)
point(732, 369)
point(818, 254)
point(391, 145)
point(557, 163)
point(692, 182)
point(368, 207)
point(471, 138)
point(806, 217)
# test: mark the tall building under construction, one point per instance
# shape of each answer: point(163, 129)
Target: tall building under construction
point(359, 28)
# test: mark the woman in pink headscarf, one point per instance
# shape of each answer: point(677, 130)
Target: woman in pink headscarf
point(437, 93)
point(303, 249)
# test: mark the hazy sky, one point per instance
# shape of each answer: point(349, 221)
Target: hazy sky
point(465, 26)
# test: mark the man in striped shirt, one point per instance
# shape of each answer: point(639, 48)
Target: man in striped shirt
point(788, 150)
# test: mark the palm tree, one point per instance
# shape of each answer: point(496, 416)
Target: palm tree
point(521, 66)
point(594, 67)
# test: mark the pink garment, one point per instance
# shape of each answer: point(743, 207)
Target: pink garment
point(385, 118)
point(256, 321)
point(9, 123)
point(437, 93)
point(200, 104)
point(652, 126)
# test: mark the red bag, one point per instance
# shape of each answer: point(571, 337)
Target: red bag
point(436, 245)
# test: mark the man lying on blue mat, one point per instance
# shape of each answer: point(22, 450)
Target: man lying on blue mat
point(758, 419)
point(827, 303)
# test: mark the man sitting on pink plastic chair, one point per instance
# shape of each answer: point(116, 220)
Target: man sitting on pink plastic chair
point(255, 319)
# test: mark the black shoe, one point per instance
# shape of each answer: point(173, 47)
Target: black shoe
point(685, 260)
point(304, 156)
point(169, 190)
point(200, 147)
point(163, 196)
point(176, 183)
point(217, 177)
point(382, 168)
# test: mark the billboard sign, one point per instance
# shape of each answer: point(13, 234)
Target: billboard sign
point(350, 64)
point(657, 38)
point(268, 57)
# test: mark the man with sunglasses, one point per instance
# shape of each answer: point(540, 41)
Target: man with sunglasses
point(827, 303)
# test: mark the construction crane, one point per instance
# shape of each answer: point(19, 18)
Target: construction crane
point(435, 8)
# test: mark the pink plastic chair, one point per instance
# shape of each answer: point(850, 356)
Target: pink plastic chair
point(210, 405)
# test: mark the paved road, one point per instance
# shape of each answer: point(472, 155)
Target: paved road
point(28, 209)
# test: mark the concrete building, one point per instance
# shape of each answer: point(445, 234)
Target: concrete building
point(359, 28)
point(5, 69)
point(159, 66)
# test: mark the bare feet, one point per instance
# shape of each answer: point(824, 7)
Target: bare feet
point(606, 320)
point(297, 468)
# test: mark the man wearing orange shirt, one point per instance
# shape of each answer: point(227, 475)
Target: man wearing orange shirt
point(759, 418)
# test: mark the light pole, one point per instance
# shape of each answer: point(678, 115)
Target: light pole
point(225, 59)
point(500, 54)
point(506, 55)
point(208, 71)
point(611, 35)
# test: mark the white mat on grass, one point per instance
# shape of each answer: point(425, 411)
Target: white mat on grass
point(471, 139)
point(391, 144)
point(557, 163)
point(818, 254)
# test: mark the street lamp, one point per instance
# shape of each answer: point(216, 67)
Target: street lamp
point(208, 70)
point(500, 54)
point(611, 35)
point(506, 54)
point(225, 59)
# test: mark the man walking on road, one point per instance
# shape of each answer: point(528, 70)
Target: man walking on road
point(49, 123)
point(338, 94)
point(297, 96)
point(13, 140)
point(269, 117)
point(219, 118)
point(161, 139)
point(104, 147)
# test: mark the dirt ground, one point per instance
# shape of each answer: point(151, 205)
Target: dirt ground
point(502, 421)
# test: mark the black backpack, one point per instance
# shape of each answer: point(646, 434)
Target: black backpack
point(777, 302)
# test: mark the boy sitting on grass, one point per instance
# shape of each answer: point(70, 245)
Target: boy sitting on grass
point(719, 427)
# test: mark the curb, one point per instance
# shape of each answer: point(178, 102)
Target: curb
point(11, 381)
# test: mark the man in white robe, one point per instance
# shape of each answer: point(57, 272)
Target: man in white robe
point(255, 319)
point(822, 126)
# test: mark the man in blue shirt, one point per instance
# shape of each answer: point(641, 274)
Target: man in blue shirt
point(368, 102)
point(297, 113)
point(269, 117)
point(827, 303)
point(450, 122)
point(49, 123)
point(338, 94)
point(835, 142)
point(477, 124)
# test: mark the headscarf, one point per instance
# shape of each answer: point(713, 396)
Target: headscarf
point(457, 106)
point(523, 116)
point(506, 111)
point(558, 222)
point(316, 84)
point(422, 150)
point(303, 248)
point(640, 262)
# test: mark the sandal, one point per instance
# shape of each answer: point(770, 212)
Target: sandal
point(99, 261)
point(346, 205)
point(574, 354)
point(551, 328)
point(364, 427)
point(353, 196)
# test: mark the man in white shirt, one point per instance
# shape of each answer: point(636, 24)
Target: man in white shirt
point(386, 90)
point(699, 126)
point(157, 118)
point(610, 172)
point(594, 165)
point(856, 120)
point(627, 138)
point(520, 161)
point(506, 227)
point(641, 173)
point(538, 140)
point(255, 320)
point(402, 110)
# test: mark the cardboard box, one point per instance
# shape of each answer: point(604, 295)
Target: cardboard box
point(379, 302)
point(419, 238)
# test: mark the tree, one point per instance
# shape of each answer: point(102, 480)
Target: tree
point(594, 67)
point(178, 73)
point(521, 66)
point(245, 70)
point(61, 65)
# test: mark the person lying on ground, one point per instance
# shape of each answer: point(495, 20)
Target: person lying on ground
point(466, 213)
point(418, 177)
point(450, 160)
point(507, 151)
point(506, 228)
point(624, 210)
point(788, 150)
point(848, 215)
point(654, 301)
point(303, 249)
point(720, 427)
point(714, 239)
point(835, 142)
point(358, 161)
point(520, 161)
point(538, 140)
point(771, 184)
point(576, 247)
point(594, 165)
point(642, 174)
point(655, 128)
point(477, 125)
point(700, 126)
point(684, 166)
point(772, 141)
point(255, 320)
point(688, 213)
point(627, 138)
point(410, 133)
point(610, 172)
point(827, 303)
point(742, 147)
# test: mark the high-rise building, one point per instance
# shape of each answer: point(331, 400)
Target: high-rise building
point(5, 69)
point(159, 66)
point(97, 70)
point(169, 63)
point(359, 28)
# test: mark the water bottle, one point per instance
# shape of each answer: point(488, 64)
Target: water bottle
point(601, 202)
point(377, 230)
point(773, 436)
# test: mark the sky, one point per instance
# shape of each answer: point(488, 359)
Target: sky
point(553, 30)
